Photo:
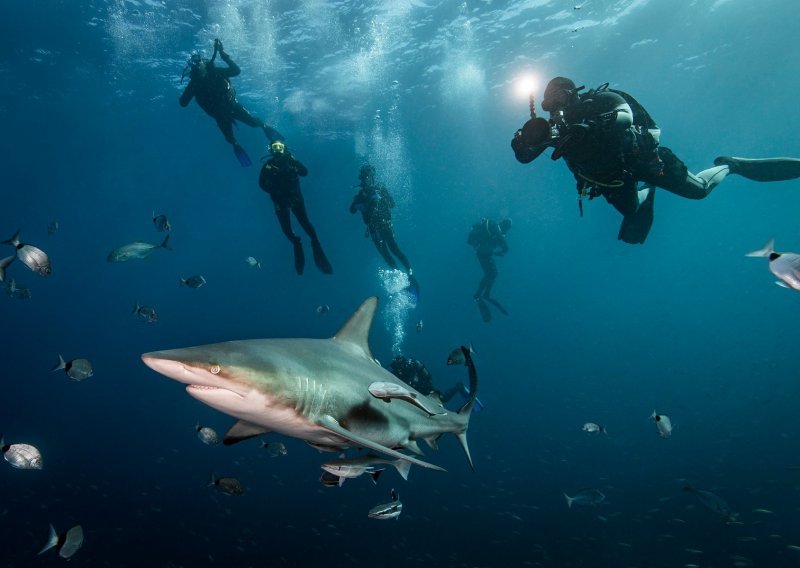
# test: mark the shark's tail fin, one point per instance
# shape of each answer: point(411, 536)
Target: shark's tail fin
point(766, 250)
point(60, 365)
point(466, 410)
point(569, 500)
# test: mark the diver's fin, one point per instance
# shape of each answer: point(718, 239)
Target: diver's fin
point(320, 259)
point(299, 257)
point(242, 156)
point(331, 424)
point(497, 305)
point(486, 315)
point(766, 169)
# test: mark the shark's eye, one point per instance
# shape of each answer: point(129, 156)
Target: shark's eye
point(214, 369)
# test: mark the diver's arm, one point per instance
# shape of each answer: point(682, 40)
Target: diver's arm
point(387, 196)
point(531, 140)
point(233, 70)
point(357, 200)
point(301, 170)
point(188, 93)
point(502, 244)
point(264, 176)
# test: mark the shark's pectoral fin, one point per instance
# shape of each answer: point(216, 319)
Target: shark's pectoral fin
point(242, 431)
point(433, 441)
point(333, 425)
point(414, 447)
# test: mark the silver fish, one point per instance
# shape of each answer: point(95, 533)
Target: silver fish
point(420, 326)
point(161, 223)
point(17, 292)
point(52, 228)
point(146, 314)
point(196, 281)
point(32, 257)
point(712, 502)
point(76, 369)
point(593, 428)
point(226, 485)
point(207, 435)
point(784, 265)
point(136, 250)
point(348, 468)
point(252, 262)
point(390, 510)
point(387, 391)
point(21, 456)
point(588, 497)
point(663, 424)
point(67, 544)
point(275, 449)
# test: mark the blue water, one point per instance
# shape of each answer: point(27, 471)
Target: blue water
point(598, 331)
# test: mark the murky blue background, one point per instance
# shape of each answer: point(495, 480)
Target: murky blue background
point(93, 137)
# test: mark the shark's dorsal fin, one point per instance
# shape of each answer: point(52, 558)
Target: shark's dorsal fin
point(356, 330)
point(242, 431)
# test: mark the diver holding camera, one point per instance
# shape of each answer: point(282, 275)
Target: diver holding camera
point(611, 144)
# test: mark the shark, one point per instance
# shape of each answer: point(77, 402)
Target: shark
point(317, 390)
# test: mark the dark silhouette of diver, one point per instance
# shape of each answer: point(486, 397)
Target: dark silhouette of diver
point(280, 177)
point(414, 373)
point(210, 86)
point(488, 238)
point(611, 144)
point(375, 204)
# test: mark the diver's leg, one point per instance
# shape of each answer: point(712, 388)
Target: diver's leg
point(391, 242)
point(380, 245)
point(489, 276)
point(225, 125)
point(677, 179)
point(320, 259)
point(243, 115)
point(282, 212)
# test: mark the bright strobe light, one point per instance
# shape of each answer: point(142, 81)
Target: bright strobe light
point(526, 85)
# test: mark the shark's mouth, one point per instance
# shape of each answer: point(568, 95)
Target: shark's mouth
point(196, 390)
point(196, 378)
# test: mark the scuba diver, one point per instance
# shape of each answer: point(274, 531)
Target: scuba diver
point(211, 87)
point(414, 373)
point(375, 205)
point(611, 144)
point(280, 178)
point(488, 238)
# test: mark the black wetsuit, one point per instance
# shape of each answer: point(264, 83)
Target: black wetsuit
point(488, 240)
point(415, 374)
point(280, 178)
point(375, 204)
point(217, 97)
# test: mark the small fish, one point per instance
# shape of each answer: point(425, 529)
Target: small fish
point(663, 424)
point(275, 449)
point(323, 309)
point(327, 479)
point(17, 292)
point(32, 257)
point(136, 250)
point(52, 228)
point(349, 468)
point(420, 326)
point(21, 456)
point(146, 314)
point(457, 357)
point(390, 510)
point(593, 428)
point(763, 511)
point(586, 497)
point(387, 391)
point(67, 544)
point(251, 261)
point(196, 281)
point(226, 485)
point(784, 265)
point(713, 503)
point(207, 435)
point(161, 223)
point(76, 369)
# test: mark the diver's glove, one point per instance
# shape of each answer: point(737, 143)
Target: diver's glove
point(218, 45)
